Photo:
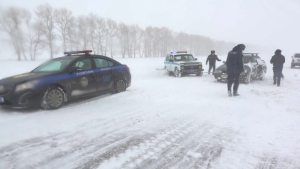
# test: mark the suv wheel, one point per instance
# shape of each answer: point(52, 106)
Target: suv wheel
point(177, 73)
point(292, 66)
point(53, 98)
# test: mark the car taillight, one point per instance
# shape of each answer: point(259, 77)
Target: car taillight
point(128, 68)
point(293, 61)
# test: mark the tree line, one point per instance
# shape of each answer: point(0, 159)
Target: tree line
point(57, 30)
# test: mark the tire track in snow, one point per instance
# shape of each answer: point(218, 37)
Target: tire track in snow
point(53, 147)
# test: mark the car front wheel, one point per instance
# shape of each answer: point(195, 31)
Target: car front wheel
point(53, 98)
point(177, 73)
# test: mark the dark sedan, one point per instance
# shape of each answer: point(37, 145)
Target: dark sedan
point(63, 79)
point(254, 67)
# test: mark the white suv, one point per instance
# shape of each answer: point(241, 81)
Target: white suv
point(181, 63)
point(295, 60)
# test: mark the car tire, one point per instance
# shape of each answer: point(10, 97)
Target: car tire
point(177, 73)
point(248, 79)
point(53, 98)
point(119, 86)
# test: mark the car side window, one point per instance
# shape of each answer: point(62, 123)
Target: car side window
point(101, 63)
point(84, 64)
point(171, 58)
point(168, 58)
point(253, 60)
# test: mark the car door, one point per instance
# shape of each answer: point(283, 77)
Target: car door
point(104, 73)
point(83, 80)
point(171, 65)
point(167, 62)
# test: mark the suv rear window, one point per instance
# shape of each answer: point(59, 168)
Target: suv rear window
point(297, 55)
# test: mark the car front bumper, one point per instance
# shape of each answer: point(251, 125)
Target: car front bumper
point(24, 99)
point(191, 71)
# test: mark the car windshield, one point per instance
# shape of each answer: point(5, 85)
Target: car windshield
point(297, 55)
point(53, 66)
point(246, 59)
point(183, 58)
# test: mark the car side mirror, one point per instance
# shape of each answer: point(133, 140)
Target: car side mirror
point(74, 69)
point(196, 59)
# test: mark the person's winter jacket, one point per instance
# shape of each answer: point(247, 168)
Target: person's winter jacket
point(234, 61)
point(212, 59)
point(278, 60)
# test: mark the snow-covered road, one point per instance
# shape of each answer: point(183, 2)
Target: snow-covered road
point(160, 122)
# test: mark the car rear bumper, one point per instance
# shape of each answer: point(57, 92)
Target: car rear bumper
point(296, 64)
point(224, 77)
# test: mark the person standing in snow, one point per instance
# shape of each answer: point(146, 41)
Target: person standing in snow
point(212, 61)
point(235, 67)
point(277, 60)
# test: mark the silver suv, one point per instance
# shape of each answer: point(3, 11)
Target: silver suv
point(295, 60)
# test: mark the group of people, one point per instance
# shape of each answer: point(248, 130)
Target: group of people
point(235, 67)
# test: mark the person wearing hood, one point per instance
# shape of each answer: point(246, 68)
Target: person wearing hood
point(212, 61)
point(235, 67)
point(277, 60)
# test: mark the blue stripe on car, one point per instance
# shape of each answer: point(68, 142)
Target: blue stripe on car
point(72, 75)
point(172, 63)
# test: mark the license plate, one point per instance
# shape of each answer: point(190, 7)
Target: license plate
point(193, 70)
point(224, 76)
point(1, 100)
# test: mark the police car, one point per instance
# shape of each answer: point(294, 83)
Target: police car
point(62, 79)
point(181, 63)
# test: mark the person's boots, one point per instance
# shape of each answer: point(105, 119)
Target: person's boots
point(229, 93)
point(235, 93)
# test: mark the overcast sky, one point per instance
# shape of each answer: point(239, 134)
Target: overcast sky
point(270, 23)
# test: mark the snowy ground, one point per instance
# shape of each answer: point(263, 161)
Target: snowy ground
point(160, 122)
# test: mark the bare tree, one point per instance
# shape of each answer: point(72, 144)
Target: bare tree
point(46, 14)
point(11, 21)
point(112, 30)
point(63, 18)
point(123, 38)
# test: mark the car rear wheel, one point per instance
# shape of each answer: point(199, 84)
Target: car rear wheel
point(53, 98)
point(248, 79)
point(263, 76)
point(119, 86)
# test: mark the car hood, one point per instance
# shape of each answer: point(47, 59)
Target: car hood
point(21, 78)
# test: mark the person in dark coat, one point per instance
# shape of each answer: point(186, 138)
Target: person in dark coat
point(212, 61)
point(235, 66)
point(277, 60)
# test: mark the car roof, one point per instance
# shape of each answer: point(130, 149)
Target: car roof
point(250, 54)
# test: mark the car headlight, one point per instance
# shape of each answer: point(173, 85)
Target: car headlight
point(27, 85)
point(1, 88)
point(200, 63)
